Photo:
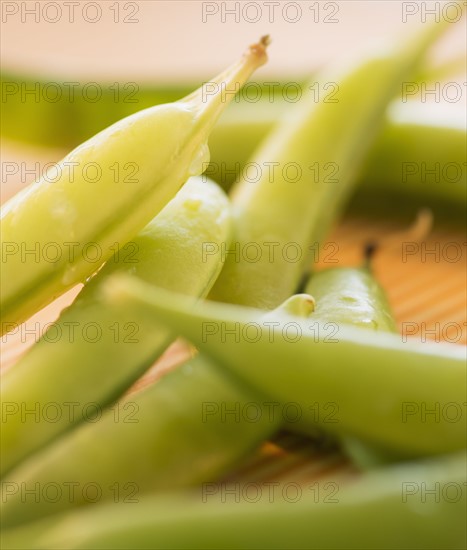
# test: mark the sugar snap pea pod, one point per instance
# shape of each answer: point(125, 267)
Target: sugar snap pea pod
point(413, 139)
point(428, 159)
point(92, 354)
point(48, 111)
point(72, 117)
point(352, 296)
point(96, 204)
point(420, 155)
point(190, 427)
point(413, 505)
point(325, 145)
point(379, 384)
point(349, 295)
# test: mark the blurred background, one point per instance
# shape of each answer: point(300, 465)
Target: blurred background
point(187, 41)
point(126, 50)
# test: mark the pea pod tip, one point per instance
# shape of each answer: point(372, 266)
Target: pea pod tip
point(258, 50)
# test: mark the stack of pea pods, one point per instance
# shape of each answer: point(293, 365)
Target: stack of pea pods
point(170, 277)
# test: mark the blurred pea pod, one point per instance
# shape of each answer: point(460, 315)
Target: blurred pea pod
point(316, 153)
point(105, 191)
point(191, 427)
point(413, 133)
point(419, 155)
point(388, 378)
point(75, 370)
point(413, 140)
point(177, 435)
point(47, 111)
point(50, 112)
point(386, 509)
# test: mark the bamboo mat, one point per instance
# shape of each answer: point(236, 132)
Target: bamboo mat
point(428, 294)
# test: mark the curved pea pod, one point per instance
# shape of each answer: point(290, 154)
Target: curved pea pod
point(404, 507)
point(411, 135)
point(325, 144)
point(92, 354)
point(421, 156)
point(73, 118)
point(349, 295)
point(380, 384)
point(190, 427)
point(105, 191)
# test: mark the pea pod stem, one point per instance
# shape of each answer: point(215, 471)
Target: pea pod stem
point(386, 509)
point(208, 104)
point(53, 209)
point(387, 374)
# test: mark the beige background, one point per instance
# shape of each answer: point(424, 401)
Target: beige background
point(171, 42)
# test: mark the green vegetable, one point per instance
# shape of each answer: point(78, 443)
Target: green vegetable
point(181, 434)
point(428, 161)
point(404, 507)
point(104, 192)
point(347, 295)
point(47, 111)
point(418, 155)
point(378, 384)
point(92, 354)
point(192, 426)
point(316, 154)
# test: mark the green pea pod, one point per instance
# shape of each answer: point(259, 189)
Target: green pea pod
point(418, 156)
point(105, 191)
point(104, 349)
point(347, 295)
point(186, 429)
point(428, 160)
point(326, 145)
point(404, 507)
point(54, 113)
point(378, 383)
point(192, 426)
point(70, 116)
